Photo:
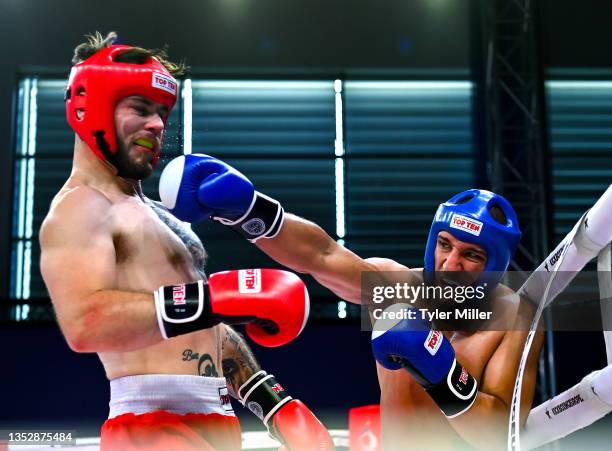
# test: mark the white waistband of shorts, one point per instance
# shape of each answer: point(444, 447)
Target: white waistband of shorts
point(172, 393)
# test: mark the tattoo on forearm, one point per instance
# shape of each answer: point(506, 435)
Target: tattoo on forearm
point(238, 362)
point(206, 366)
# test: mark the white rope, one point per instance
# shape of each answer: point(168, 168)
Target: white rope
point(604, 271)
point(589, 400)
point(587, 238)
point(575, 408)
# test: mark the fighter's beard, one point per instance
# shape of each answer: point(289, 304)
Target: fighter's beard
point(127, 168)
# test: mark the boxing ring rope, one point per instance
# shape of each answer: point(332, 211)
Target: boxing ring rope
point(604, 265)
point(590, 236)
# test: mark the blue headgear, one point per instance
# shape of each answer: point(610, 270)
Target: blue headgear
point(467, 217)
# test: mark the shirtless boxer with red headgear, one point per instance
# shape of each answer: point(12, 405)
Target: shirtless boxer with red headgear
point(127, 278)
point(439, 390)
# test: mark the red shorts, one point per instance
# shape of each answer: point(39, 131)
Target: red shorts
point(171, 413)
point(166, 431)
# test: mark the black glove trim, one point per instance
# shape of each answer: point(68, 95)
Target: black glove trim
point(456, 393)
point(263, 396)
point(263, 219)
point(183, 308)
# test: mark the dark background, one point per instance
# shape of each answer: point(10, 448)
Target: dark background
point(43, 382)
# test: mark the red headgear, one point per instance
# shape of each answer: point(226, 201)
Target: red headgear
point(98, 83)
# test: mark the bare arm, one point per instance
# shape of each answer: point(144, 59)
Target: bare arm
point(78, 264)
point(287, 419)
point(492, 406)
point(238, 361)
point(305, 247)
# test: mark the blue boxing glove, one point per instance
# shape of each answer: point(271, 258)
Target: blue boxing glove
point(400, 340)
point(197, 187)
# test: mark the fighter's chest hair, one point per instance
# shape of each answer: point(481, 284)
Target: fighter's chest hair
point(184, 233)
point(206, 364)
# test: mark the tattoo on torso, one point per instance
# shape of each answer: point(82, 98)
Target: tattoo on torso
point(206, 366)
point(185, 234)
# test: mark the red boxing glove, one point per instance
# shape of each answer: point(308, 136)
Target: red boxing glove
point(298, 428)
point(277, 301)
point(274, 304)
point(287, 419)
